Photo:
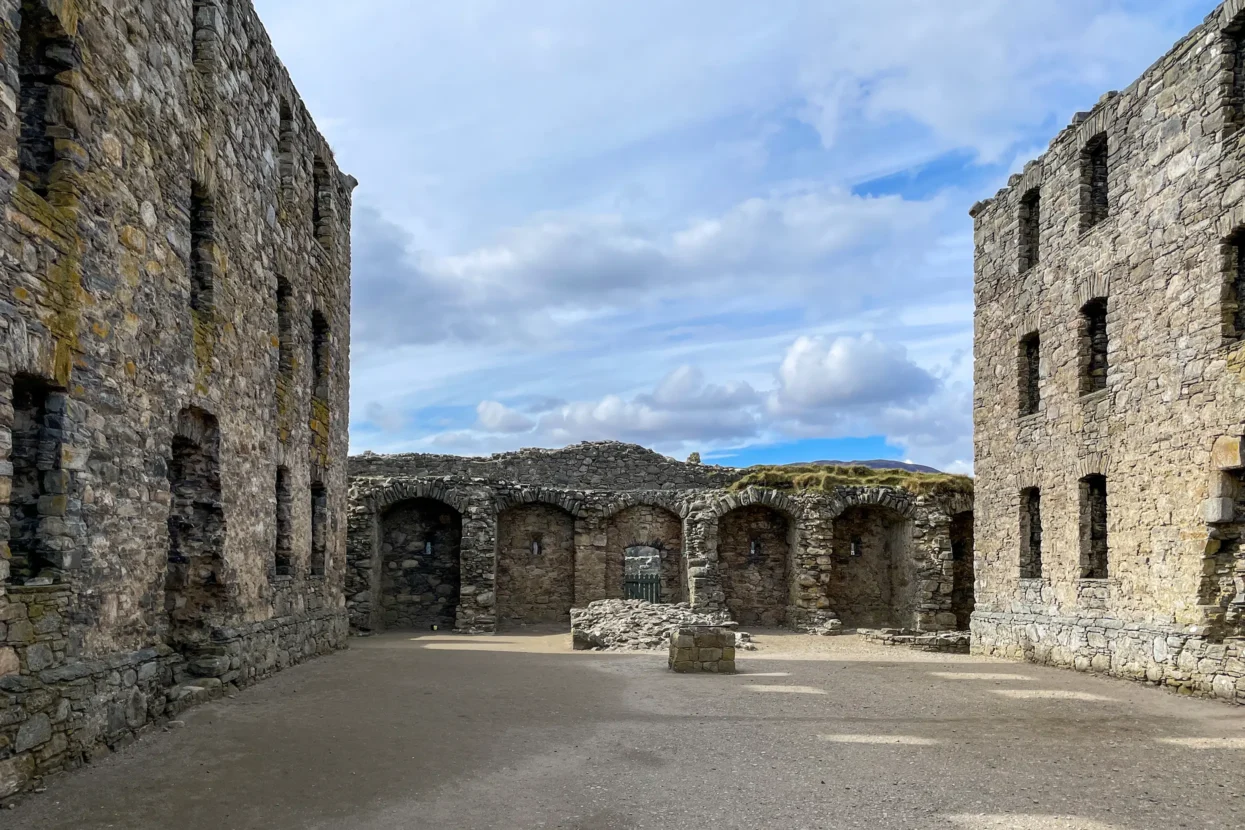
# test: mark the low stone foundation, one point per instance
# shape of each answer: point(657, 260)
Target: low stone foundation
point(697, 649)
point(946, 642)
point(1169, 656)
point(57, 715)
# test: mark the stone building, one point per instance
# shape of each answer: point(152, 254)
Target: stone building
point(174, 329)
point(524, 537)
point(1110, 407)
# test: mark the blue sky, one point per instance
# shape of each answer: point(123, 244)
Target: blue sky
point(721, 226)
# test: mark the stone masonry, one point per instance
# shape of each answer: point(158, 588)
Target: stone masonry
point(545, 531)
point(174, 341)
point(710, 650)
point(1110, 407)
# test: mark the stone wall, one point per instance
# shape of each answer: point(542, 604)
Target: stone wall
point(151, 380)
point(701, 536)
point(645, 531)
point(874, 576)
point(604, 465)
point(420, 546)
point(754, 548)
point(535, 564)
point(1149, 405)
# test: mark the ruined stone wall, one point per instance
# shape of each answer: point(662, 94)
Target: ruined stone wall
point(1146, 411)
point(605, 465)
point(701, 536)
point(873, 573)
point(754, 547)
point(535, 564)
point(162, 179)
point(420, 544)
point(645, 527)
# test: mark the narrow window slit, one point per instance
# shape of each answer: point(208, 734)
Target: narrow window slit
point(203, 248)
point(284, 565)
point(319, 529)
point(1095, 182)
point(1030, 374)
point(1094, 550)
point(1031, 533)
point(1094, 346)
point(1030, 229)
point(45, 53)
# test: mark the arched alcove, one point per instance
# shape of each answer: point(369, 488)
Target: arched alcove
point(962, 570)
point(420, 544)
point(754, 552)
point(873, 578)
point(535, 564)
point(645, 539)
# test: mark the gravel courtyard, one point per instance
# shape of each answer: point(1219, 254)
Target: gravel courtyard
point(517, 732)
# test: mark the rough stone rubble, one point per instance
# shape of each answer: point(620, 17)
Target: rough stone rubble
point(635, 625)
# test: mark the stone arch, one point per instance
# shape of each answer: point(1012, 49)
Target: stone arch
point(645, 538)
point(535, 560)
point(897, 501)
point(654, 498)
point(756, 542)
point(425, 489)
point(538, 495)
point(419, 552)
point(755, 496)
point(876, 578)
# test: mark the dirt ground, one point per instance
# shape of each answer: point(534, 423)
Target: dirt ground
point(516, 731)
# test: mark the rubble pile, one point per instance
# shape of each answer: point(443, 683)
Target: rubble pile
point(635, 625)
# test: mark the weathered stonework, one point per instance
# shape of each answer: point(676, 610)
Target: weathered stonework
point(1108, 492)
point(174, 329)
point(598, 510)
point(702, 650)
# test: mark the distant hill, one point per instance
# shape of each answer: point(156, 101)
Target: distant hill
point(876, 464)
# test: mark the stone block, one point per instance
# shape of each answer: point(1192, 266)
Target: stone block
point(1218, 511)
point(9, 663)
point(1227, 453)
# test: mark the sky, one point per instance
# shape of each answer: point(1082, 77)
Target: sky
point(715, 226)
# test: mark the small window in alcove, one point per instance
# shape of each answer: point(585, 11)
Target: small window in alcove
point(858, 547)
point(538, 547)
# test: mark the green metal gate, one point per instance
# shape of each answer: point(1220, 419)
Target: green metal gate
point(644, 586)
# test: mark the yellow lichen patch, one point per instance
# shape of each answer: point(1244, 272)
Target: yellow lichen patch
point(131, 369)
point(133, 238)
point(21, 294)
point(827, 478)
point(101, 329)
point(204, 345)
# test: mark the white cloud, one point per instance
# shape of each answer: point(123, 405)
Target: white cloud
point(496, 417)
point(559, 274)
point(563, 201)
point(846, 372)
